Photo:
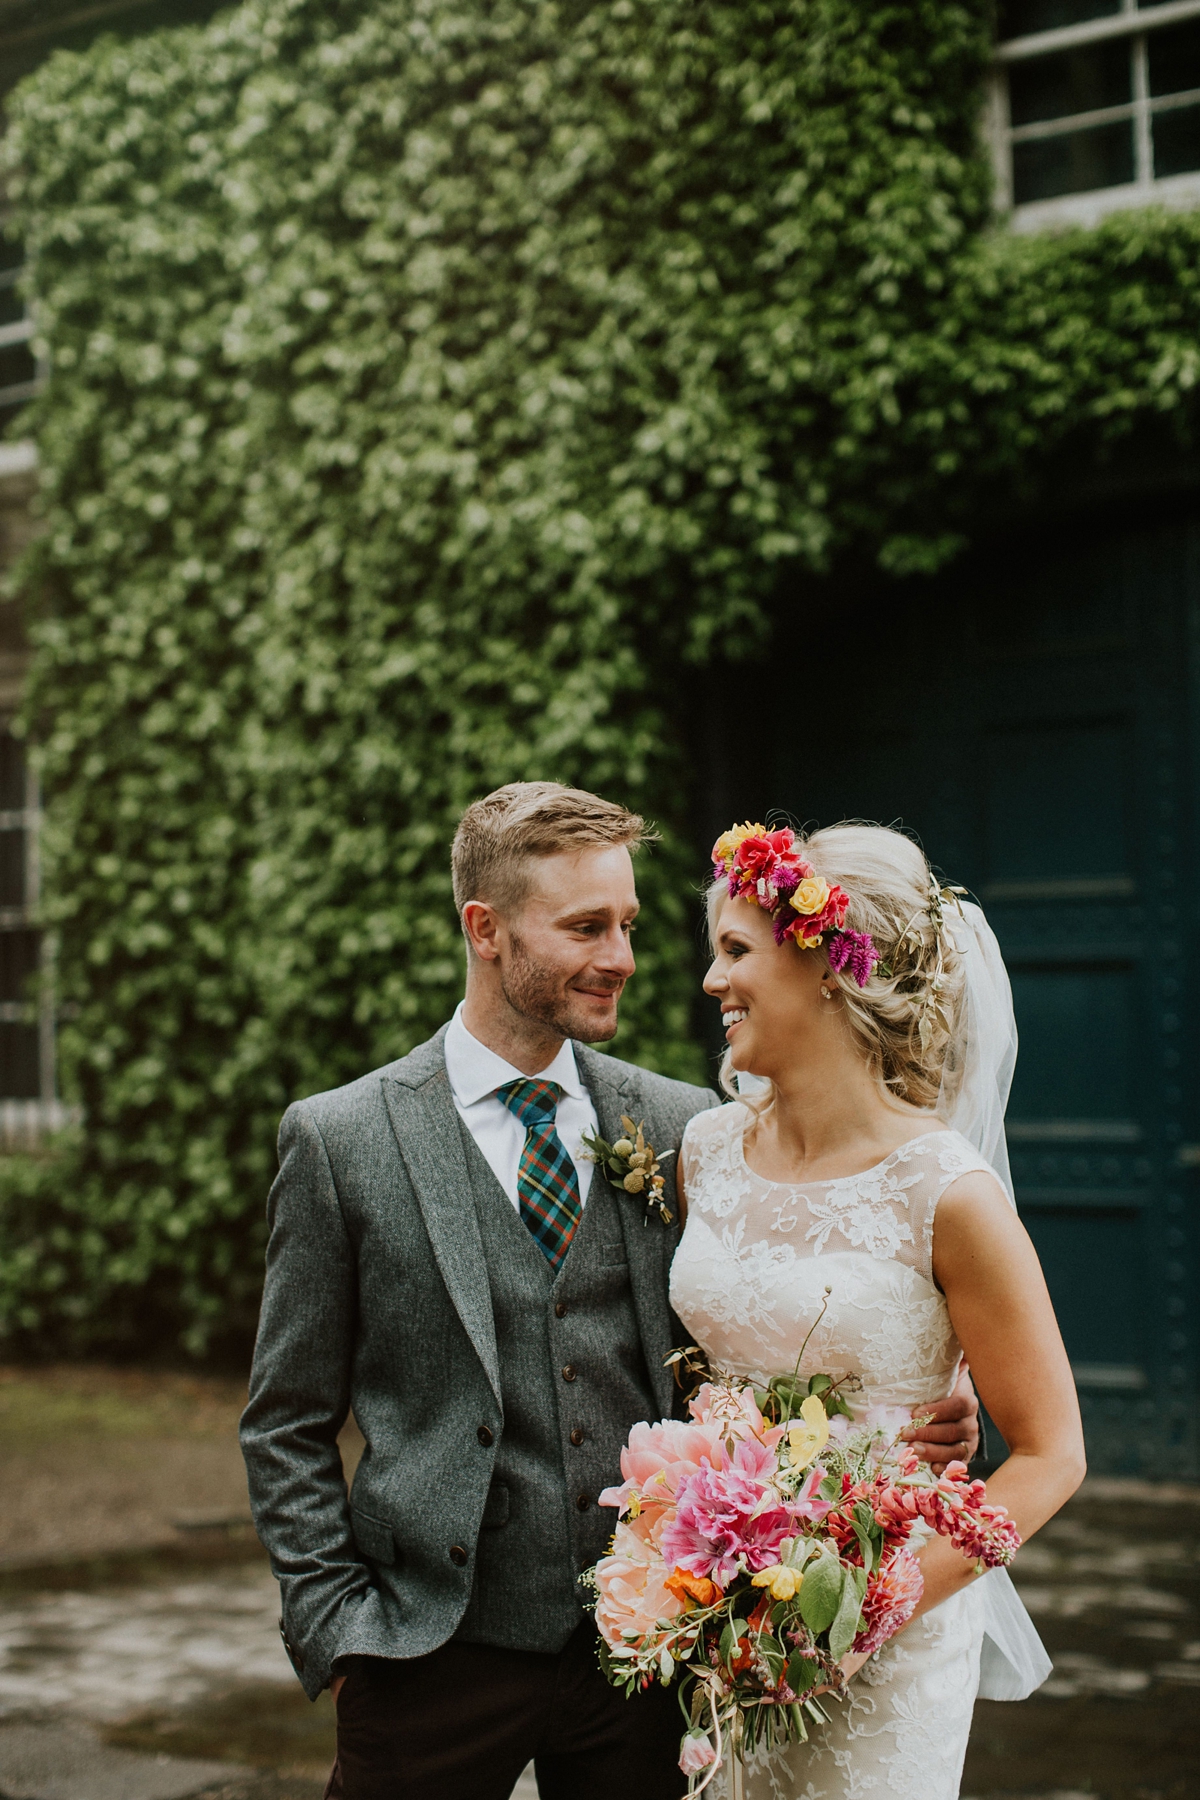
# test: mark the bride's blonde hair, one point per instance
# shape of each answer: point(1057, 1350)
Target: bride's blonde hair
point(906, 1018)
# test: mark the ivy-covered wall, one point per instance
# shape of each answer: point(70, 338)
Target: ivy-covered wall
point(435, 384)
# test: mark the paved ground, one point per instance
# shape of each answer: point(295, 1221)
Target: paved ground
point(156, 1673)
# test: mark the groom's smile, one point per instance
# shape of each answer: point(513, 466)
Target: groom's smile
point(563, 952)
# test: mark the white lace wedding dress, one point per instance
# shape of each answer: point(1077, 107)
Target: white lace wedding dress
point(748, 1280)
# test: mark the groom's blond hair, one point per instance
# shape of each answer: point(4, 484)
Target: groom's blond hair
point(499, 836)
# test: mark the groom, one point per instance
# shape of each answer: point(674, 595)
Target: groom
point(445, 1261)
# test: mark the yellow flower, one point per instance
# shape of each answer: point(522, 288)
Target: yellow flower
point(811, 895)
point(728, 844)
point(634, 1182)
point(806, 1441)
point(622, 1147)
point(784, 1583)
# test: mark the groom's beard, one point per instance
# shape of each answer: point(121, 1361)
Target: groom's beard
point(537, 994)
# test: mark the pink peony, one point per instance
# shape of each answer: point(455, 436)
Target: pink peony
point(726, 1519)
point(657, 1459)
point(696, 1753)
point(893, 1592)
point(733, 1413)
point(631, 1582)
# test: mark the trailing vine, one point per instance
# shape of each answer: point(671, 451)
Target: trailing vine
point(433, 387)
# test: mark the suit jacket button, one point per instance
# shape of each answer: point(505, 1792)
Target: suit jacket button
point(458, 1556)
point(485, 1437)
point(297, 1658)
point(583, 1501)
point(568, 1373)
point(577, 1436)
point(560, 1309)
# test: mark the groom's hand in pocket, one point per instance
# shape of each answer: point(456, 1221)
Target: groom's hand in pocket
point(952, 1433)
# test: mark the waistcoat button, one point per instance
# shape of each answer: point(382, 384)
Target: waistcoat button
point(560, 1309)
point(458, 1556)
point(583, 1501)
point(569, 1373)
point(484, 1436)
point(577, 1436)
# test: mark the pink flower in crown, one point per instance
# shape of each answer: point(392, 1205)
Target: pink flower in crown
point(893, 1592)
point(854, 950)
point(767, 866)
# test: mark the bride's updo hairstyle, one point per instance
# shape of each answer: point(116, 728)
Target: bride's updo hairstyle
point(906, 1016)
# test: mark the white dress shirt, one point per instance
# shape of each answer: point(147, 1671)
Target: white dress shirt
point(476, 1073)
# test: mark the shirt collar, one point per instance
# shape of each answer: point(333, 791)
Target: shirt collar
point(475, 1071)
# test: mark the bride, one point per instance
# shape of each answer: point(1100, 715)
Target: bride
point(871, 1040)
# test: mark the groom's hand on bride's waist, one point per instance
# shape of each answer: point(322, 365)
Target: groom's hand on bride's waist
point(952, 1434)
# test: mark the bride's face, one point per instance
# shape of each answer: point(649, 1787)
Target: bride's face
point(769, 993)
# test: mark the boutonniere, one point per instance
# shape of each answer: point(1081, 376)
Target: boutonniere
point(631, 1165)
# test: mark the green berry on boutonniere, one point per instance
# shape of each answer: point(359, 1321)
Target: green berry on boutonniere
point(631, 1165)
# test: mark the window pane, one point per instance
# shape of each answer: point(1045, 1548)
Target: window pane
point(19, 1062)
point(12, 773)
point(18, 964)
point(1174, 58)
point(1074, 81)
point(12, 868)
point(16, 365)
point(1074, 163)
point(11, 304)
point(1177, 141)
point(1020, 17)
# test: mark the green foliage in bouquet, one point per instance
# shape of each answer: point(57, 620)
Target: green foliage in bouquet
point(433, 388)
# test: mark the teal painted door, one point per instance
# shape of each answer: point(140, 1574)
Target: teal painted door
point(1032, 719)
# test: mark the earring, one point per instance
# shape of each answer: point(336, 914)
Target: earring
point(826, 993)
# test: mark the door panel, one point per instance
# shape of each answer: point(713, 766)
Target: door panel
point(1032, 719)
point(1057, 806)
point(1078, 1046)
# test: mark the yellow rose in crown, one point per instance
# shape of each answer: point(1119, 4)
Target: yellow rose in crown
point(731, 841)
point(811, 895)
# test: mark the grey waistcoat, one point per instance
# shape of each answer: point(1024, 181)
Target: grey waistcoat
point(541, 1525)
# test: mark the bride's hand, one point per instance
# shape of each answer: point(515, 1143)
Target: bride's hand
point(849, 1665)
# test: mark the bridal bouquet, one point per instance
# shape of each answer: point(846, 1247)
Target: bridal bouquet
point(761, 1541)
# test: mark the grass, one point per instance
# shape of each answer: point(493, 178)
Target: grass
point(69, 1400)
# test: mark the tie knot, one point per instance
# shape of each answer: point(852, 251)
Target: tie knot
point(534, 1101)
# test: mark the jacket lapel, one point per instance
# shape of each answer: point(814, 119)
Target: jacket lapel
point(421, 1107)
point(649, 1247)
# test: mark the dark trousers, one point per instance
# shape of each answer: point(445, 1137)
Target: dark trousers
point(462, 1723)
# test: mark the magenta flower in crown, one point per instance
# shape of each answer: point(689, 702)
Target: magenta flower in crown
point(766, 868)
point(853, 950)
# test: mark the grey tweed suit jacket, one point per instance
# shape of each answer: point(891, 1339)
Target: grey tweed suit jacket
point(377, 1299)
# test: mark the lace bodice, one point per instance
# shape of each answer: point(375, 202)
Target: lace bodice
point(756, 1257)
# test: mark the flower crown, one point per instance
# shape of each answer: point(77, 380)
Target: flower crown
point(765, 868)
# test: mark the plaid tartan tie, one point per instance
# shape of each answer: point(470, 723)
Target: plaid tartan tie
point(546, 1180)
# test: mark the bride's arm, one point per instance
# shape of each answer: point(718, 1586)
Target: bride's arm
point(680, 1191)
point(988, 1270)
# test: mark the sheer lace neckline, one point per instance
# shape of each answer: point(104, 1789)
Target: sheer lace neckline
point(830, 1180)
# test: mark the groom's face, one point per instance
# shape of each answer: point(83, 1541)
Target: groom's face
point(565, 953)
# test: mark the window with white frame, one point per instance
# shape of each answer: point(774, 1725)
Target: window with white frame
point(1097, 105)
